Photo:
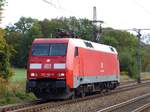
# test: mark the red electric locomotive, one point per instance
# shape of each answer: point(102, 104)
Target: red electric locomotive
point(66, 67)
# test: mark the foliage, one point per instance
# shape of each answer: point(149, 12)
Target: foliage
point(145, 52)
point(5, 70)
point(19, 38)
point(2, 3)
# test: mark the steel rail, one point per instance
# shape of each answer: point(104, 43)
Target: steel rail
point(19, 105)
point(126, 103)
point(142, 108)
point(45, 106)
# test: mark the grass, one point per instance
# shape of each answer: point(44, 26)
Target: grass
point(145, 75)
point(19, 74)
point(14, 90)
point(125, 77)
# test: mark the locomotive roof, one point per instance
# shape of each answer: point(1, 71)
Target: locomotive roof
point(51, 40)
point(79, 43)
point(94, 46)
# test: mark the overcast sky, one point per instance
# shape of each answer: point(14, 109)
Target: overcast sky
point(119, 14)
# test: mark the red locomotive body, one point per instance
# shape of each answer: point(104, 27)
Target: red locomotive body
point(62, 68)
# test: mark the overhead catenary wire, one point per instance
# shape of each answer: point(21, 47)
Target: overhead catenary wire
point(59, 7)
point(50, 3)
point(141, 6)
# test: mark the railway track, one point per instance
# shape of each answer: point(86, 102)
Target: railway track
point(21, 105)
point(38, 106)
point(144, 108)
point(137, 104)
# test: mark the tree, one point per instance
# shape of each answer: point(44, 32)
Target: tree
point(25, 43)
point(5, 70)
point(13, 38)
point(2, 3)
point(19, 36)
point(145, 58)
point(24, 24)
point(81, 27)
point(49, 27)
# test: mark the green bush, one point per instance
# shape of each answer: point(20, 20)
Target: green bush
point(5, 70)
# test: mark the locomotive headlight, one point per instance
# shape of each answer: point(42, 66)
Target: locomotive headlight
point(32, 74)
point(61, 74)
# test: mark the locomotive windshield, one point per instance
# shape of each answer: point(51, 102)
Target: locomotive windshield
point(53, 49)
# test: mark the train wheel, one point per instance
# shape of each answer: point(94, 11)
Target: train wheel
point(82, 94)
point(73, 95)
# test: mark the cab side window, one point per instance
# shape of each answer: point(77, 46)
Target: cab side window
point(76, 51)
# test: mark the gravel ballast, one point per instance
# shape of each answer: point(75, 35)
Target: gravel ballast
point(101, 102)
